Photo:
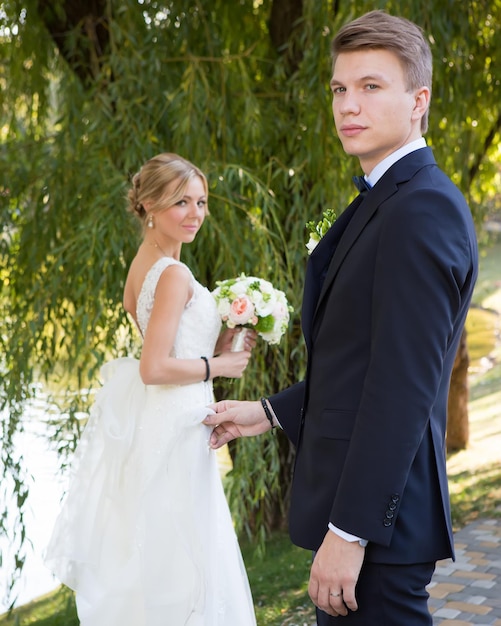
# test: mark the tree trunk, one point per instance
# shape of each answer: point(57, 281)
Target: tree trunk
point(284, 19)
point(90, 20)
point(457, 408)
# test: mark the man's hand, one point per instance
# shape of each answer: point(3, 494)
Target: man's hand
point(233, 419)
point(334, 575)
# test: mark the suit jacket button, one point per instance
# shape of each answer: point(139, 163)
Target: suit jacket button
point(392, 507)
point(395, 498)
point(387, 522)
point(388, 515)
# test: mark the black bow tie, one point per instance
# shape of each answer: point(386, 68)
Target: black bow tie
point(361, 184)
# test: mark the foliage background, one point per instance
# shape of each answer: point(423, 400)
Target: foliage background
point(91, 90)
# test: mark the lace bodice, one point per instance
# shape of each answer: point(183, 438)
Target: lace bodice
point(200, 323)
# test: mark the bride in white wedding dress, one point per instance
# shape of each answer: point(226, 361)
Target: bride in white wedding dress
point(145, 536)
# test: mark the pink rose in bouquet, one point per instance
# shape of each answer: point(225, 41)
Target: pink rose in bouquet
point(242, 312)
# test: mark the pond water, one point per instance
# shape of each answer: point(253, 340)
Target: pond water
point(45, 490)
point(46, 487)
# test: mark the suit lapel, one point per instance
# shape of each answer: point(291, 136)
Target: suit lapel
point(366, 210)
point(318, 264)
point(402, 171)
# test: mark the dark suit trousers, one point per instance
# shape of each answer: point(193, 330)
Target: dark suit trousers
point(388, 595)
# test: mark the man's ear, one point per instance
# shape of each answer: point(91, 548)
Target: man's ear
point(422, 101)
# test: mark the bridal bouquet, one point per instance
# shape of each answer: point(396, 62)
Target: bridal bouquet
point(253, 303)
point(317, 231)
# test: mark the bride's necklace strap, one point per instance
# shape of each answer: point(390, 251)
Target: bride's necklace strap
point(154, 244)
point(172, 254)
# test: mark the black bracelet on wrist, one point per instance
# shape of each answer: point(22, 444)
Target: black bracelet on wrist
point(267, 412)
point(207, 368)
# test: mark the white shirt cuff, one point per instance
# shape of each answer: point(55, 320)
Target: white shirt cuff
point(347, 536)
point(274, 415)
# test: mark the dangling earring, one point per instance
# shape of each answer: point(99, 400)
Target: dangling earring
point(149, 222)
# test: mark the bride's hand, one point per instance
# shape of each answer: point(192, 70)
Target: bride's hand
point(231, 364)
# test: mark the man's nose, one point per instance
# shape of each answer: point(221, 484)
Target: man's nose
point(349, 103)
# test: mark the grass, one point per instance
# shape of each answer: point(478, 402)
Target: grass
point(54, 609)
point(279, 580)
point(489, 279)
point(475, 473)
point(279, 583)
point(481, 328)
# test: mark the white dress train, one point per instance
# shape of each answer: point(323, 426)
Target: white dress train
point(145, 536)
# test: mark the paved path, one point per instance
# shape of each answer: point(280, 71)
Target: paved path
point(467, 592)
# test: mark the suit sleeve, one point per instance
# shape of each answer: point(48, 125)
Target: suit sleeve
point(288, 405)
point(423, 260)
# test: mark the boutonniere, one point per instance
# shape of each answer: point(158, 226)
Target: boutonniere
point(317, 231)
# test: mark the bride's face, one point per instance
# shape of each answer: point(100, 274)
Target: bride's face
point(182, 221)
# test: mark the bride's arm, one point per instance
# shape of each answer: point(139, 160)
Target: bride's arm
point(156, 366)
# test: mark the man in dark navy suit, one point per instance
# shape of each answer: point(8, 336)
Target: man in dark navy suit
point(386, 295)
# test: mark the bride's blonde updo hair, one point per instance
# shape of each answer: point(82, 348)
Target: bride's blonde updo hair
point(151, 182)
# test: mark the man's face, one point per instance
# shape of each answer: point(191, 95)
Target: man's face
point(374, 113)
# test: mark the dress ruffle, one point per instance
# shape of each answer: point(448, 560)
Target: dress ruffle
point(145, 537)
